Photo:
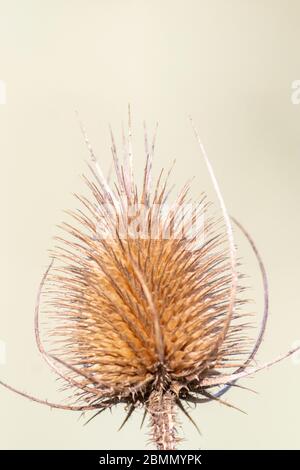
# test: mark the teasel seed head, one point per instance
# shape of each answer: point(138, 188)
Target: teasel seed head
point(144, 305)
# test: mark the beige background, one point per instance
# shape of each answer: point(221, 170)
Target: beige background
point(230, 64)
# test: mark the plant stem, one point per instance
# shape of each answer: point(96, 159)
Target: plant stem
point(161, 407)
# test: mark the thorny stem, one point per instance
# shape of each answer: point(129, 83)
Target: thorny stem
point(161, 408)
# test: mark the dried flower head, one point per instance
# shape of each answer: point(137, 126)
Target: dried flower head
point(144, 299)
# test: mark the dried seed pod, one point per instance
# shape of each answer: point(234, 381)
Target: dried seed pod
point(145, 301)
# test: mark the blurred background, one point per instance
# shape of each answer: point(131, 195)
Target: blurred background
point(232, 66)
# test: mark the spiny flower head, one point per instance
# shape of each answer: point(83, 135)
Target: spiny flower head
point(140, 293)
point(143, 298)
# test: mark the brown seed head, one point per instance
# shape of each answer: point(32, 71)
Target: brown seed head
point(140, 293)
point(143, 302)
